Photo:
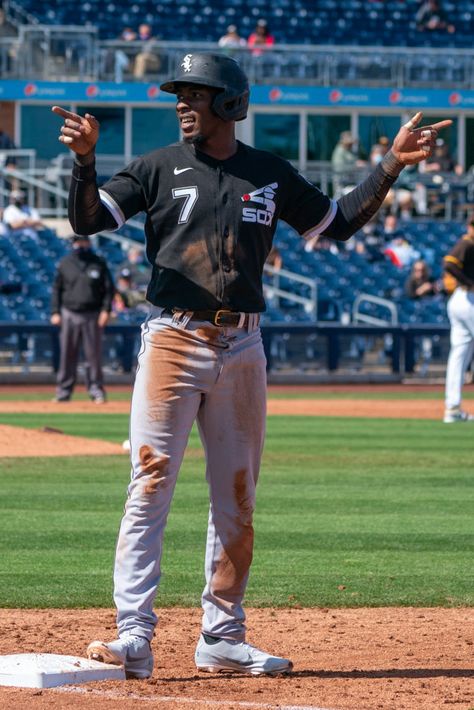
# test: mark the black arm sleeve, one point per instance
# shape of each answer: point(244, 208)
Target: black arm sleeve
point(86, 212)
point(357, 207)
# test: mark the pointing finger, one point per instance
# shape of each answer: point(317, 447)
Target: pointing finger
point(442, 124)
point(65, 114)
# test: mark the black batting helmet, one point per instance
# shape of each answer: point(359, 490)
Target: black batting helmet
point(220, 72)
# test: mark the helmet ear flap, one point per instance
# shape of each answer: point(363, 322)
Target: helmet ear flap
point(230, 107)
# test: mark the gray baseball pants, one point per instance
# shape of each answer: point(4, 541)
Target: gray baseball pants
point(191, 371)
point(77, 329)
point(461, 317)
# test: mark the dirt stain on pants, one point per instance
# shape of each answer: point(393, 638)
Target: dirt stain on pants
point(236, 557)
point(153, 467)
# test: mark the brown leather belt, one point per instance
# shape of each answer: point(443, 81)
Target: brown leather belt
point(223, 317)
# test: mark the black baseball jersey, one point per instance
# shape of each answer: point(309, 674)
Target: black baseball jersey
point(460, 261)
point(210, 223)
point(82, 283)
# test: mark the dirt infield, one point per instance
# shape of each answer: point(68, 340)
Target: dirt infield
point(387, 408)
point(48, 442)
point(345, 659)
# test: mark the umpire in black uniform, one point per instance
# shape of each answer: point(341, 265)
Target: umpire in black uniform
point(82, 295)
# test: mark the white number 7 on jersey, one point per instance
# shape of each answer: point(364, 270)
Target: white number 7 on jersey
point(191, 194)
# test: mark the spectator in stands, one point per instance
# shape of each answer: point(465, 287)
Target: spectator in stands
point(376, 154)
point(127, 295)
point(401, 253)
point(81, 303)
point(403, 202)
point(128, 34)
point(147, 60)
point(138, 266)
point(385, 143)
point(19, 217)
point(420, 283)
point(345, 155)
point(391, 228)
point(345, 161)
point(378, 150)
point(6, 143)
point(321, 243)
point(118, 60)
point(232, 39)
point(431, 18)
point(442, 161)
point(7, 161)
point(369, 242)
point(398, 249)
point(260, 39)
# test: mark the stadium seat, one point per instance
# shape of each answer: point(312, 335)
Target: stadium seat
point(304, 21)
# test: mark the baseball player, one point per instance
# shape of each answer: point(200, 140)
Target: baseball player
point(212, 205)
point(459, 264)
point(81, 302)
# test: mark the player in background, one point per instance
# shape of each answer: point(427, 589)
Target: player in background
point(459, 280)
point(212, 205)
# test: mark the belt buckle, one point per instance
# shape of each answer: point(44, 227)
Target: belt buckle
point(217, 316)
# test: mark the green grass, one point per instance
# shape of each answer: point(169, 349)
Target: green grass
point(350, 512)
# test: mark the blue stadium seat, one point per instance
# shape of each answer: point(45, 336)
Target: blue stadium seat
point(305, 21)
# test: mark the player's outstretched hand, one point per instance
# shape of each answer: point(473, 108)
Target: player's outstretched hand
point(412, 144)
point(79, 133)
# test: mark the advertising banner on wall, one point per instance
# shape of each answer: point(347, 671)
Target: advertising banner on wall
point(303, 96)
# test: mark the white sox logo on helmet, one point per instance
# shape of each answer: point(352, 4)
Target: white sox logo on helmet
point(264, 196)
point(186, 63)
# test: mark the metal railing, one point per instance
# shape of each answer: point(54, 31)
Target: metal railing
point(31, 347)
point(10, 162)
point(17, 15)
point(274, 292)
point(71, 53)
point(358, 316)
point(64, 52)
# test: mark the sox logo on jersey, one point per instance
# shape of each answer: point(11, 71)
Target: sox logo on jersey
point(264, 196)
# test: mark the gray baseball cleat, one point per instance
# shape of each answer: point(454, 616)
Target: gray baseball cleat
point(215, 655)
point(131, 652)
point(457, 415)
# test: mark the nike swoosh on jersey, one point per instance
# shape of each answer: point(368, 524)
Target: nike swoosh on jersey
point(179, 171)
